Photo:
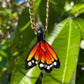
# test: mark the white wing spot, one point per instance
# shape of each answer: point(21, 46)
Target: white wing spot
point(48, 67)
point(55, 63)
point(36, 62)
point(32, 61)
point(41, 65)
point(29, 63)
point(51, 65)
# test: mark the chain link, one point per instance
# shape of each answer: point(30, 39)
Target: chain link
point(47, 15)
point(32, 17)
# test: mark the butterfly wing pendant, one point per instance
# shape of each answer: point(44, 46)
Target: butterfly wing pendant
point(42, 53)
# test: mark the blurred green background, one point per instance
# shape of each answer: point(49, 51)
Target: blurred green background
point(65, 34)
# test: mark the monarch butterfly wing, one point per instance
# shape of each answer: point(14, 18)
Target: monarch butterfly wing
point(49, 58)
point(30, 61)
point(56, 61)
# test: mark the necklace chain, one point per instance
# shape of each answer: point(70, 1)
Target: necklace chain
point(47, 15)
point(32, 16)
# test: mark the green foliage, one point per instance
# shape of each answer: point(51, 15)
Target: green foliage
point(80, 24)
point(65, 31)
point(66, 43)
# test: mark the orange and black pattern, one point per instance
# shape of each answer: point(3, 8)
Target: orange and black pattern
point(42, 54)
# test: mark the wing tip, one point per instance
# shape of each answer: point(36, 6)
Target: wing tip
point(26, 68)
point(57, 65)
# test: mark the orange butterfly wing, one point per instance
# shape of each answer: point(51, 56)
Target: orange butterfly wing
point(43, 54)
point(33, 52)
point(50, 57)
